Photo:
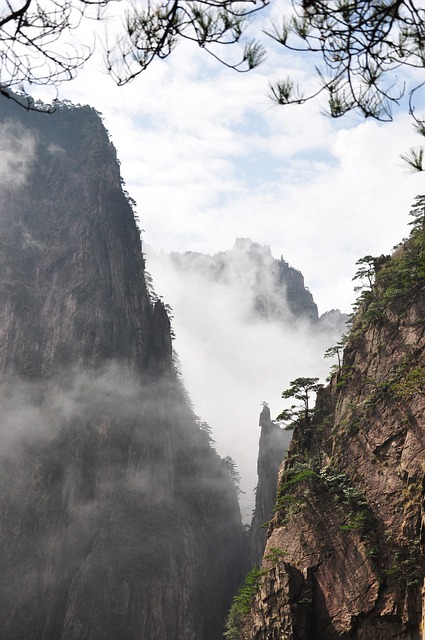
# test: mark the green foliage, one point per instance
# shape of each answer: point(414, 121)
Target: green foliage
point(289, 416)
point(412, 384)
point(301, 387)
point(417, 212)
point(288, 493)
point(404, 380)
point(357, 522)
point(337, 483)
point(300, 414)
point(395, 281)
point(337, 349)
point(275, 555)
point(347, 372)
point(241, 605)
point(334, 369)
point(365, 273)
point(408, 567)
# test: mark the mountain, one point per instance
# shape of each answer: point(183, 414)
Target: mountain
point(118, 518)
point(276, 290)
point(272, 447)
point(345, 552)
point(245, 326)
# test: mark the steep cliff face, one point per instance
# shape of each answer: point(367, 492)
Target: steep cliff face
point(275, 290)
point(345, 551)
point(117, 518)
point(272, 448)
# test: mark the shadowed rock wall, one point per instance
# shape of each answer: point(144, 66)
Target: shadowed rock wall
point(273, 445)
point(117, 517)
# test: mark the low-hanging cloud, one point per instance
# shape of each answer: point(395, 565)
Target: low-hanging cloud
point(232, 358)
point(105, 475)
point(17, 153)
point(39, 410)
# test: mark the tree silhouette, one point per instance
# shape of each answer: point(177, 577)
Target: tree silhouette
point(154, 31)
point(35, 47)
point(299, 414)
point(361, 46)
point(32, 48)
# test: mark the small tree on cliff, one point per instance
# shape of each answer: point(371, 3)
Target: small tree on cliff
point(337, 350)
point(299, 414)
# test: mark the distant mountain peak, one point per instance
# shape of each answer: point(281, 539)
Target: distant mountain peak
point(277, 290)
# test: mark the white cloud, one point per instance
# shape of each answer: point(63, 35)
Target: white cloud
point(230, 361)
point(208, 158)
point(17, 147)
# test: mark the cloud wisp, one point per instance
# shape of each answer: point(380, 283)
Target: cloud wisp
point(232, 357)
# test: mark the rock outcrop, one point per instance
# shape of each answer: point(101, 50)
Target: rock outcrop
point(273, 445)
point(275, 290)
point(117, 517)
point(345, 551)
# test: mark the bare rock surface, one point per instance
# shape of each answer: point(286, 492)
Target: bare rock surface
point(118, 520)
point(349, 523)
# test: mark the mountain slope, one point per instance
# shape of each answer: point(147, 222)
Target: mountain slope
point(273, 290)
point(345, 552)
point(118, 518)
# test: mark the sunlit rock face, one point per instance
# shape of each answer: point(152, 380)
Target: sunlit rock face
point(118, 518)
point(345, 552)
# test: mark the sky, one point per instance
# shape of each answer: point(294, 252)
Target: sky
point(208, 158)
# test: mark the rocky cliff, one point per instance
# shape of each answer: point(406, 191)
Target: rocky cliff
point(117, 517)
point(272, 448)
point(275, 290)
point(345, 551)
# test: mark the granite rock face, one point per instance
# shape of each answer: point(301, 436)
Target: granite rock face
point(345, 552)
point(117, 517)
point(273, 445)
point(276, 291)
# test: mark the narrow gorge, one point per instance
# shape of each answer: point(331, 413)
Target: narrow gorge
point(118, 518)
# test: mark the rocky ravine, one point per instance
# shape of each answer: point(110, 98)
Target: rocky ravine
point(118, 520)
point(345, 551)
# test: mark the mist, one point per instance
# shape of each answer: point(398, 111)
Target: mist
point(112, 496)
point(17, 153)
point(233, 358)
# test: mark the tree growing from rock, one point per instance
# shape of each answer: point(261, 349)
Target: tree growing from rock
point(301, 413)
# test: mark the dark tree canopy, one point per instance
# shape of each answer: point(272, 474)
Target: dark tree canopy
point(299, 414)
